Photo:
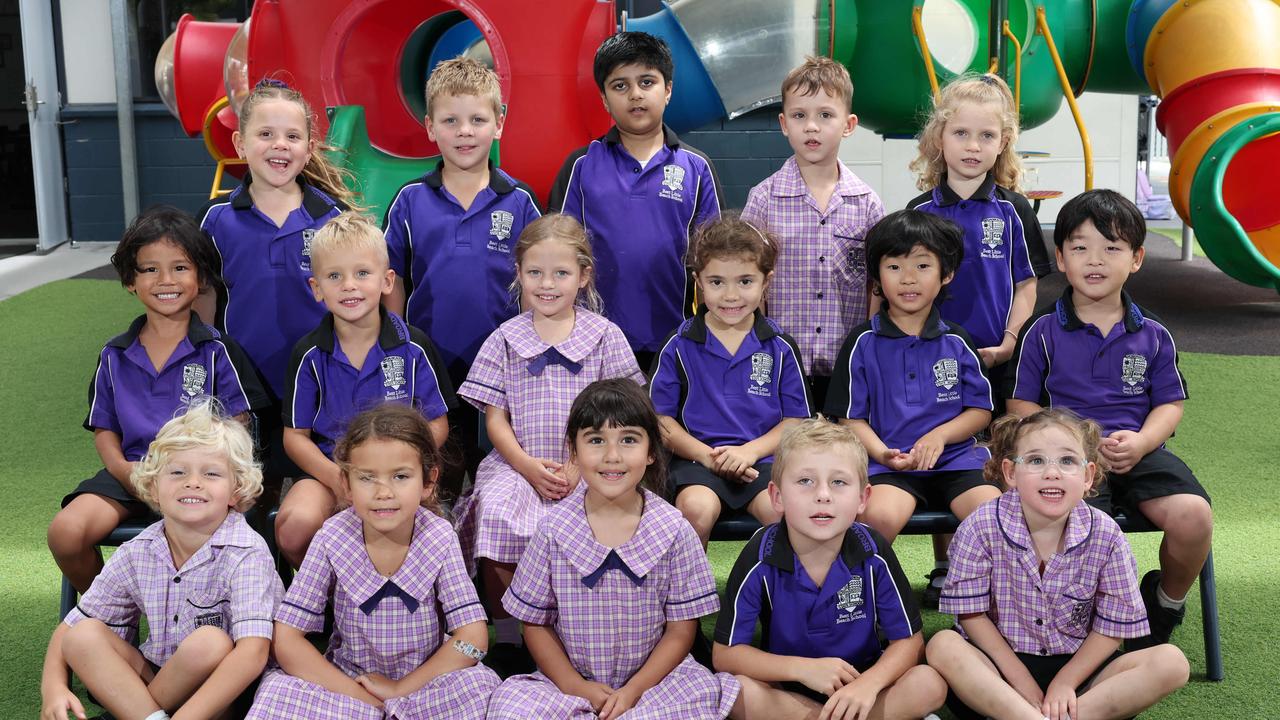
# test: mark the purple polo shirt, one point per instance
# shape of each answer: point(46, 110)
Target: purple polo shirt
point(639, 220)
point(129, 397)
point(1114, 380)
point(865, 596)
point(1091, 586)
point(457, 263)
point(724, 399)
point(326, 391)
point(905, 386)
point(229, 583)
point(1003, 246)
point(264, 300)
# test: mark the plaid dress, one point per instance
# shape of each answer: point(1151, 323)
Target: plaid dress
point(518, 372)
point(389, 626)
point(610, 627)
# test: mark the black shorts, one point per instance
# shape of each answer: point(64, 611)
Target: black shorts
point(106, 485)
point(819, 385)
point(276, 465)
point(1043, 669)
point(1159, 474)
point(800, 688)
point(934, 491)
point(733, 495)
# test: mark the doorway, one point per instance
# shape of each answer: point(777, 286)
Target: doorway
point(18, 228)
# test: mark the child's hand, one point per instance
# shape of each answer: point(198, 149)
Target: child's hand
point(1123, 449)
point(58, 702)
point(544, 476)
point(991, 356)
point(927, 449)
point(379, 686)
point(732, 462)
point(895, 459)
point(1059, 701)
point(595, 693)
point(827, 675)
point(851, 702)
point(622, 700)
point(571, 474)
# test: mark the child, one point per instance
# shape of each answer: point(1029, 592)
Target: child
point(1044, 588)
point(263, 232)
point(820, 211)
point(640, 192)
point(450, 233)
point(524, 380)
point(146, 375)
point(360, 356)
point(728, 381)
point(613, 583)
point(825, 590)
point(910, 383)
point(202, 578)
point(1114, 363)
point(395, 574)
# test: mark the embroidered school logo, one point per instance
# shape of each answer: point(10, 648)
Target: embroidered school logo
point(992, 237)
point(307, 236)
point(500, 224)
point(1133, 371)
point(761, 374)
point(193, 377)
point(211, 620)
point(850, 596)
point(1081, 610)
point(946, 373)
point(393, 375)
point(672, 182)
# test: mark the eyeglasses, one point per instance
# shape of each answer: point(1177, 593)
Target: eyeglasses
point(1037, 465)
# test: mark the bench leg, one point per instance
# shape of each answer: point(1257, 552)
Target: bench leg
point(68, 599)
point(1209, 612)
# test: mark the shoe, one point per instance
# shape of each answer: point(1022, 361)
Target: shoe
point(1161, 619)
point(933, 589)
point(507, 659)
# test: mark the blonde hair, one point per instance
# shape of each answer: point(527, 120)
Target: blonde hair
point(333, 180)
point(930, 166)
point(349, 232)
point(464, 76)
point(203, 426)
point(818, 433)
point(1008, 430)
point(399, 423)
point(565, 229)
point(819, 73)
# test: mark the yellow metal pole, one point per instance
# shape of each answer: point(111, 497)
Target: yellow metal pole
point(917, 25)
point(1017, 65)
point(1043, 27)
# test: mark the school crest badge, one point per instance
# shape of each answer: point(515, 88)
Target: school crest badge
point(672, 182)
point(307, 236)
point(849, 597)
point(946, 373)
point(393, 372)
point(1081, 612)
point(761, 374)
point(992, 232)
point(1133, 369)
point(500, 222)
point(193, 377)
point(211, 620)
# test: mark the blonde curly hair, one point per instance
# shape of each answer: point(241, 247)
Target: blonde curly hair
point(1008, 430)
point(986, 89)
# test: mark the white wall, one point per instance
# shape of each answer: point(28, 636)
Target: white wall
point(86, 48)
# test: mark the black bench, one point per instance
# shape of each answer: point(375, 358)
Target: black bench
point(742, 526)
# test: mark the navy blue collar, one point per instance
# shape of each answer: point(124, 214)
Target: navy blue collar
point(497, 181)
point(696, 329)
point(389, 590)
point(669, 137)
point(391, 334)
point(612, 561)
point(197, 332)
point(316, 205)
point(855, 548)
point(943, 195)
point(934, 325)
point(1066, 312)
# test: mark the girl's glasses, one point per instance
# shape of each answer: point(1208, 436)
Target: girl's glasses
point(1037, 465)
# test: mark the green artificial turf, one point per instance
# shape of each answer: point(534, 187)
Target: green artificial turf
point(50, 337)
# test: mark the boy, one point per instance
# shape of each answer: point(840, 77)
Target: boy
point(360, 356)
point(821, 212)
point(451, 233)
point(639, 192)
point(824, 590)
point(910, 384)
point(166, 358)
point(1114, 363)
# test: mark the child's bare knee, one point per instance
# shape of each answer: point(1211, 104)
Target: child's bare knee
point(67, 533)
point(1171, 666)
point(927, 689)
point(207, 645)
point(84, 638)
point(943, 648)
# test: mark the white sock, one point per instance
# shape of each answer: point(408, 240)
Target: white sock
point(1168, 602)
point(508, 631)
point(158, 715)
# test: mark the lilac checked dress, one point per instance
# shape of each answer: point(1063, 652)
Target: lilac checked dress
point(609, 607)
point(389, 626)
point(536, 384)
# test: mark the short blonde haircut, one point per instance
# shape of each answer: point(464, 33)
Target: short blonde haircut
point(464, 76)
point(819, 434)
point(202, 427)
point(819, 73)
point(349, 232)
point(930, 166)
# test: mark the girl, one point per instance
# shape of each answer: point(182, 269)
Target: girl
point(1045, 588)
point(398, 584)
point(263, 233)
point(613, 583)
point(524, 379)
point(204, 580)
point(733, 379)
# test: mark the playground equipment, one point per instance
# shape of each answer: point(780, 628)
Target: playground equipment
point(1216, 63)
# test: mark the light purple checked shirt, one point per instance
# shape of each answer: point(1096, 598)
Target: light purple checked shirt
point(229, 583)
point(1092, 585)
point(819, 289)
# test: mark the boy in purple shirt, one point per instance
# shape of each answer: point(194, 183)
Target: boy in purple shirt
point(202, 578)
point(360, 356)
point(821, 212)
point(163, 361)
point(640, 192)
point(1098, 354)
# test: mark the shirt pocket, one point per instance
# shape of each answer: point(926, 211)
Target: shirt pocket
point(206, 608)
point(850, 255)
point(1073, 611)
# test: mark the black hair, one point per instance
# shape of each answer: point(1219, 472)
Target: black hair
point(632, 48)
point(165, 222)
point(1115, 216)
point(898, 232)
point(620, 403)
